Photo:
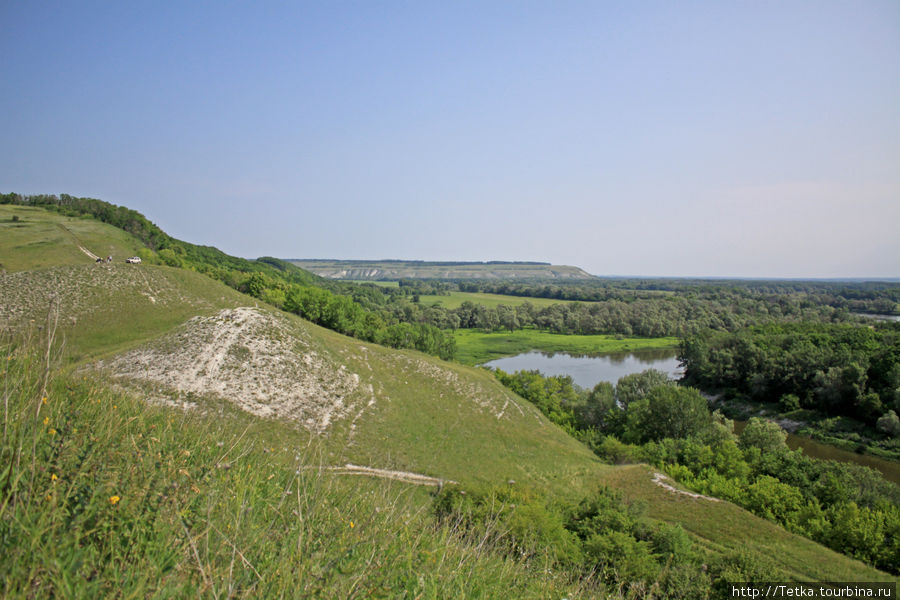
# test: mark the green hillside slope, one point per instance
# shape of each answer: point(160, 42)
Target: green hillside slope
point(32, 238)
point(176, 337)
point(104, 308)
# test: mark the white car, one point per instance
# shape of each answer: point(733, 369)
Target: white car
point(135, 260)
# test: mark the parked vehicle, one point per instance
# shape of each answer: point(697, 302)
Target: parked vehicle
point(135, 260)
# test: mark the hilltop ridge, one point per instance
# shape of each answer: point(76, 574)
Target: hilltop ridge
point(392, 270)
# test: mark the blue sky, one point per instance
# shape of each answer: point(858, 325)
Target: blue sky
point(757, 139)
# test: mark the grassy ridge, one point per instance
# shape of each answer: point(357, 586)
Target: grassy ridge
point(397, 269)
point(722, 525)
point(476, 347)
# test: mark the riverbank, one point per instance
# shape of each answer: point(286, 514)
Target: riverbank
point(475, 347)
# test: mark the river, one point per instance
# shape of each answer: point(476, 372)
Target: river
point(814, 449)
point(878, 317)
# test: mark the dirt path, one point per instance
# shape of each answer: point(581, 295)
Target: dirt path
point(78, 242)
point(662, 481)
point(405, 476)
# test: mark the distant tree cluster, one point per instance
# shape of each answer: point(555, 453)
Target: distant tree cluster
point(842, 370)
point(653, 317)
point(864, 296)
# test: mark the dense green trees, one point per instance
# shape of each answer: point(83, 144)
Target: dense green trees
point(786, 298)
point(656, 316)
point(765, 435)
point(840, 370)
point(666, 411)
point(849, 508)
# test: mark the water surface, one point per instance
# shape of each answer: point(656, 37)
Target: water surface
point(588, 371)
point(814, 449)
point(878, 317)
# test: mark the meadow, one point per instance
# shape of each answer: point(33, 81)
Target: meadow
point(455, 300)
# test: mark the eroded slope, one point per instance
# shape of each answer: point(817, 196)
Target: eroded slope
point(258, 360)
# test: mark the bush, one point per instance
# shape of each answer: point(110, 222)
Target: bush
point(889, 423)
point(789, 402)
point(762, 434)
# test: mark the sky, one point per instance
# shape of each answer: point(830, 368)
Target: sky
point(695, 138)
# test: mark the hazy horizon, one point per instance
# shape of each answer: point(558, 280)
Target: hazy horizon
point(704, 139)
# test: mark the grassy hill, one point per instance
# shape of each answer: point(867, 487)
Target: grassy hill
point(381, 270)
point(105, 308)
point(32, 238)
point(291, 397)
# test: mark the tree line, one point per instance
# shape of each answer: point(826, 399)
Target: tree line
point(650, 308)
point(852, 296)
point(651, 317)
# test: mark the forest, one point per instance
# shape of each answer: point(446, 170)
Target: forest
point(846, 372)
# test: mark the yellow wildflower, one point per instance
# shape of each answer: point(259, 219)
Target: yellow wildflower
point(46, 420)
point(53, 477)
point(114, 499)
point(51, 431)
point(351, 524)
point(44, 400)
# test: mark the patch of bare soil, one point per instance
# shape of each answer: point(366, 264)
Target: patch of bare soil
point(255, 359)
point(405, 476)
point(663, 482)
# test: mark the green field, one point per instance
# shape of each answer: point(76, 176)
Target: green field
point(476, 347)
point(387, 284)
point(455, 300)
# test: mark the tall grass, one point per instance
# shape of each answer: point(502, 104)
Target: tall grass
point(104, 495)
